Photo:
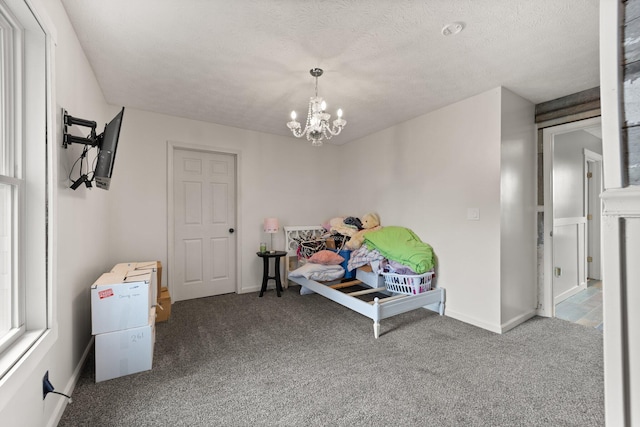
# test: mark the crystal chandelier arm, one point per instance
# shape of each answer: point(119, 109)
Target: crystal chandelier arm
point(297, 133)
point(337, 127)
point(294, 126)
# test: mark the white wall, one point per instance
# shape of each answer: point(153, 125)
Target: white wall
point(423, 174)
point(279, 177)
point(81, 245)
point(518, 211)
point(568, 171)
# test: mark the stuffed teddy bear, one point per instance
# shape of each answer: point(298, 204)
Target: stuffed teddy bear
point(337, 225)
point(370, 222)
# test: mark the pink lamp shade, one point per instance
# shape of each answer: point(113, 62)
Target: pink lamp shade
point(271, 225)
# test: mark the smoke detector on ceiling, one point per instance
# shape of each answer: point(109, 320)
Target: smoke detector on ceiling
point(452, 28)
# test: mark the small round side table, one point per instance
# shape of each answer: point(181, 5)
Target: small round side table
point(266, 256)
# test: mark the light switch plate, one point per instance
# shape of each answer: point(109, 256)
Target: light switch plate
point(473, 214)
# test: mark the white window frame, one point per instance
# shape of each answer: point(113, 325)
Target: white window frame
point(11, 170)
point(30, 110)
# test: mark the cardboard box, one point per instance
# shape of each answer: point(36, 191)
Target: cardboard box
point(368, 277)
point(153, 288)
point(163, 309)
point(125, 352)
point(159, 268)
point(123, 268)
point(153, 267)
point(330, 243)
point(119, 302)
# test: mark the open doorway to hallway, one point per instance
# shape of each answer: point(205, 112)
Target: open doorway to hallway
point(572, 286)
point(585, 307)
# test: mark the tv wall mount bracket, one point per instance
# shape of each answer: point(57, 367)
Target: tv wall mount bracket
point(68, 139)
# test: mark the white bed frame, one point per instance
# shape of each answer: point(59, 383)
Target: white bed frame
point(379, 308)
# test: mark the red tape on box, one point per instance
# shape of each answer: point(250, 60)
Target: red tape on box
point(106, 293)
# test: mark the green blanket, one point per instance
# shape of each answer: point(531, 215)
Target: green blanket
point(401, 245)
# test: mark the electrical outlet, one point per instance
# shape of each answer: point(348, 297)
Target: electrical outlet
point(47, 387)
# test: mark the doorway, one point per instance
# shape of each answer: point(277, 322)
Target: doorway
point(571, 238)
point(202, 223)
point(594, 187)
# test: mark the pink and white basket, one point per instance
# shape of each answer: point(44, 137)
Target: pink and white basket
point(408, 284)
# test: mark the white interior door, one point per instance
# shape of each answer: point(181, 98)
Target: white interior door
point(204, 198)
point(569, 276)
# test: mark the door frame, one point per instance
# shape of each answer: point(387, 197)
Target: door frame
point(172, 146)
point(591, 192)
point(546, 303)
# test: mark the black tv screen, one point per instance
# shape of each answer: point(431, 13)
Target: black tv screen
point(107, 152)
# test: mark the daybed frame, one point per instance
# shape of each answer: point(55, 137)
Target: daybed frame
point(379, 308)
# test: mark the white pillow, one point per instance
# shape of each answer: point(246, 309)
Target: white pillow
point(318, 272)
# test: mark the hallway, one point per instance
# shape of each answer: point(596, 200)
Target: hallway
point(584, 308)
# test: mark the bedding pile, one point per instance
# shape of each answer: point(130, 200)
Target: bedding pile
point(390, 249)
point(402, 246)
point(320, 272)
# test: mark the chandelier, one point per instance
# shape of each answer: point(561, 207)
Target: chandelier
point(317, 127)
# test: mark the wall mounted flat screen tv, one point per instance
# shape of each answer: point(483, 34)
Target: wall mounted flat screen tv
point(107, 146)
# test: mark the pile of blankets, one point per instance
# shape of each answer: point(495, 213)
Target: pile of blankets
point(394, 249)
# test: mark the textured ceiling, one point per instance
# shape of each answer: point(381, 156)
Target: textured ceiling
point(245, 63)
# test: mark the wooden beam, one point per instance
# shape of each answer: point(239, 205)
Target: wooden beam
point(569, 105)
point(383, 300)
point(345, 284)
point(367, 291)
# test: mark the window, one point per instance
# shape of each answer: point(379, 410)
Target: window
point(24, 278)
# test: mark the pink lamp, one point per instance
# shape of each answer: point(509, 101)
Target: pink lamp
point(271, 226)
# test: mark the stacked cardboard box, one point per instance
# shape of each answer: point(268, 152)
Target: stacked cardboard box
point(133, 268)
point(123, 316)
point(163, 309)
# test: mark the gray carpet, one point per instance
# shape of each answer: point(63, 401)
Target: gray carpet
point(240, 360)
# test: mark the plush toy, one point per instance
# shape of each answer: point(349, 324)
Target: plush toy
point(370, 222)
point(337, 225)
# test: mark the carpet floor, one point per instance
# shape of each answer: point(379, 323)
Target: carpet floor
point(240, 360)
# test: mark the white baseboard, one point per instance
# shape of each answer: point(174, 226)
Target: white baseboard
point(569, 293)
point(498, 329)
point(68, 389)
point(518, 320)
point(473, 321)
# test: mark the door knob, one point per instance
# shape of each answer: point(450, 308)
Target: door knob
point(231, 230)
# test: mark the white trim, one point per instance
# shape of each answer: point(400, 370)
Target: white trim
point(610, 94)
point(595, 224)
point(491, 327)
point(560, 222)
point(570, 292)
point(43, 19)
point(588, 156)
point(621, 202)
point(171, 147)
point(591, 155)
point(35, 353)
point(614, 378)
point(618, 202)
point(518, 320)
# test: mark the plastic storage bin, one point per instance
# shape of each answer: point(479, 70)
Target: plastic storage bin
point(408, 284)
